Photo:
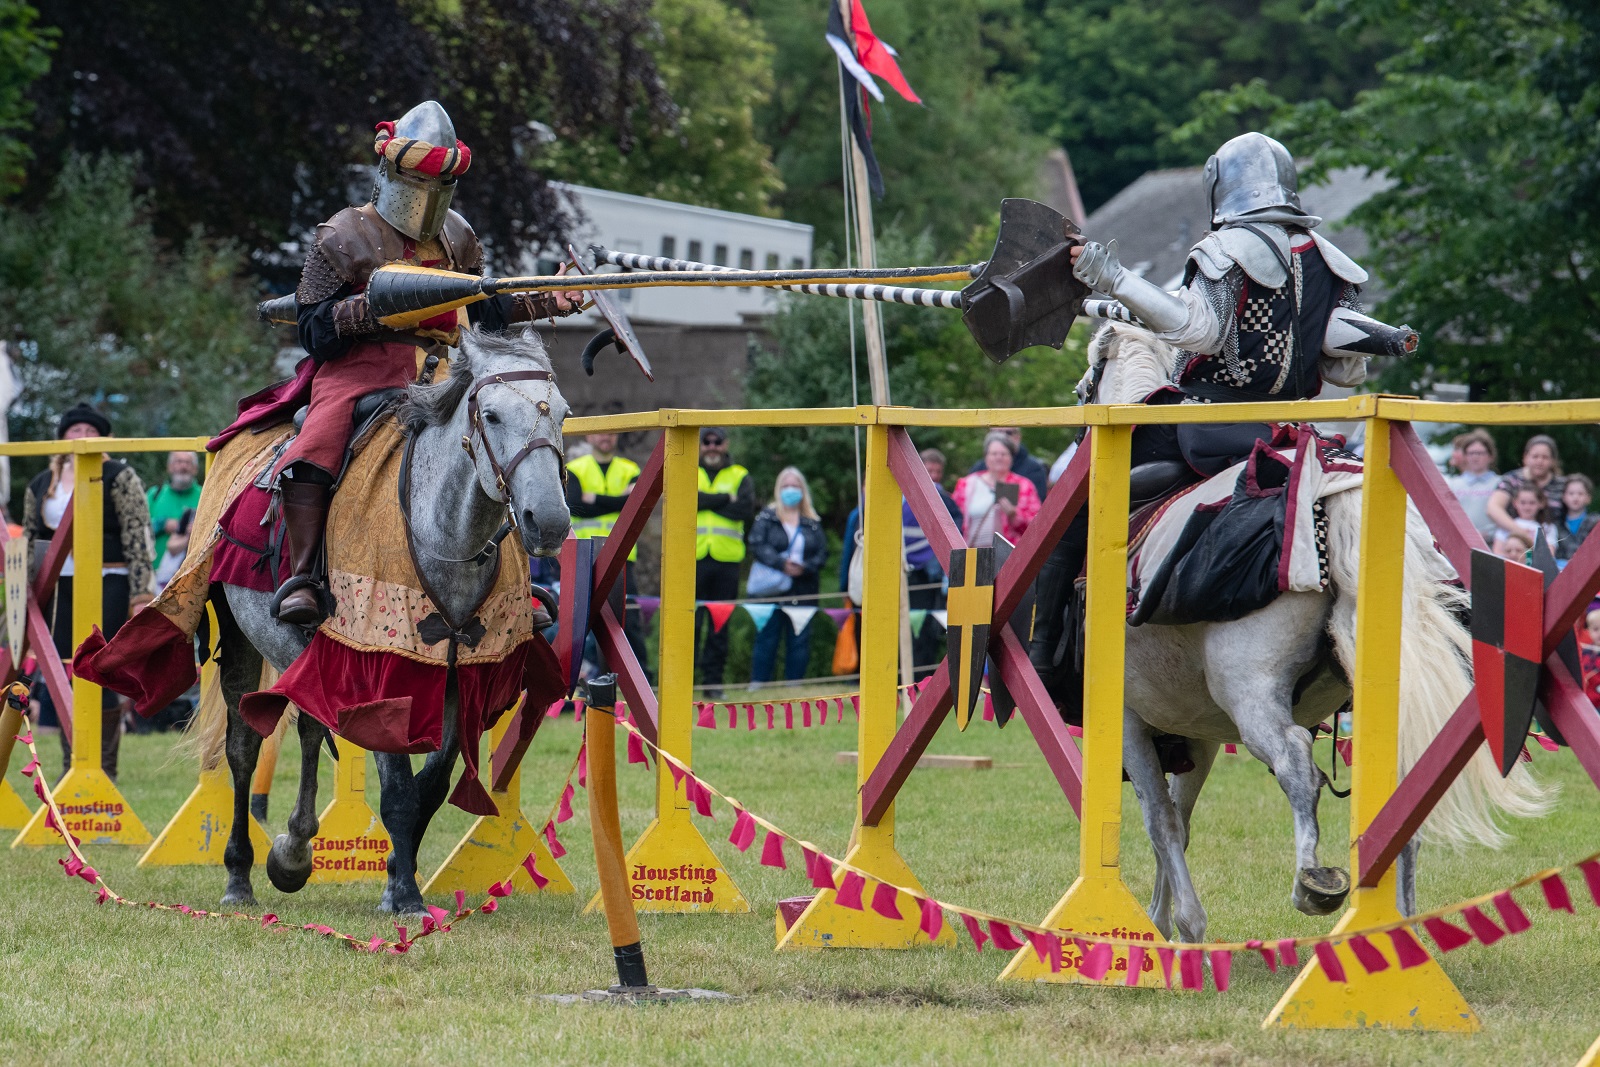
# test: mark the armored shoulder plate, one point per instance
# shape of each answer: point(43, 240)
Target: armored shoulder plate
point(1339, 263)
point(461, 244)
point(1236, 246)
point(357, 242)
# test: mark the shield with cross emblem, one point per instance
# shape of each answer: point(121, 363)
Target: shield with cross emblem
point(16, 593)
point(970, 610)
point(1507, 650)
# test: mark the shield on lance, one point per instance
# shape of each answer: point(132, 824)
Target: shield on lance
point(1507, 647)
point(16, 595)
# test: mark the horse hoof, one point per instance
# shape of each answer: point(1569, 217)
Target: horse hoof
point(1321, 890)
point(239, 898)
point(287, 874)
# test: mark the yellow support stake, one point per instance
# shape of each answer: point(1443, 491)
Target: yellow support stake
point(91, 806)
point(1422, 997)
point(351, 844)
point(494, 848)
point(824, 924)
point(14, 814)
point(1099, 901)
point(672, 867)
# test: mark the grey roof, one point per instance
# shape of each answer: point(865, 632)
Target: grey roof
point(1158, 218)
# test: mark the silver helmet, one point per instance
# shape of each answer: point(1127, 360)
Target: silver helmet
point(413, 203)
point(1250, 173)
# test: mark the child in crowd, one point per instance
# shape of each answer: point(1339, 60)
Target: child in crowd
point(1527, 510)
point(1589, 656)
point(1513, 546)
point(1576, 522)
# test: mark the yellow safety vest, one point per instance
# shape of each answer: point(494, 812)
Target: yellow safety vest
point(721, 537)
point(609, 482)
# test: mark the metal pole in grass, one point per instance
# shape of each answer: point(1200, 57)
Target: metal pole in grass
point(616, 891)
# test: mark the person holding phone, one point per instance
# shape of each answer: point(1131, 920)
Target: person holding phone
point(996, 500)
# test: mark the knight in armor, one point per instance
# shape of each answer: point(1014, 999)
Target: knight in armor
point(1269, 310)
point(408, 220)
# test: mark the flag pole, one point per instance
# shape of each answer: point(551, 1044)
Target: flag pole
point(872, 322)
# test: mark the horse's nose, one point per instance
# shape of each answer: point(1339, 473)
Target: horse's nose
point(547, 535)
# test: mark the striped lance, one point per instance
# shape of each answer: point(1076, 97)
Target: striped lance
point(1110, 309)
point(889, 294)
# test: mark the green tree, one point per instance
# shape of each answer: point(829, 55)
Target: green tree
point(96, 308)
point(944, 164)
point(717, 65)
point(1113, 79)
point(1487, 240)
point(933, 362)
point(24, 57)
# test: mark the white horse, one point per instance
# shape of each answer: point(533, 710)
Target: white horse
point(1264, 680)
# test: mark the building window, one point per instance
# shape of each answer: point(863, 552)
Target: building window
point(719, 255)
point(669, 247)
point(796, 263)
point(694, 250)
point(772, 261)
point(747, 259)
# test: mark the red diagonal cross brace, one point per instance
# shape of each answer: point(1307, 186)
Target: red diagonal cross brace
point(607, 628)
point(933, 703)
point(1444, 758)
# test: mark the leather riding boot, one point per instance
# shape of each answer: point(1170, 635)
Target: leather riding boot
point(305, 513)
point(1053, 589)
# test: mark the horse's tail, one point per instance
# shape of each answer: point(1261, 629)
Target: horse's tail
point(206, 736)
point(1435, 676)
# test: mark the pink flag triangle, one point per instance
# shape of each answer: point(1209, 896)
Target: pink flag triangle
point(677, 774)
point(1136, 956)
point(876, 56)
point(1446, 935)
point(720, 611)
point(461, 901)
point(883, 901)
point(1482, 927)
point(1044, 945)
point(707, 717)
point(1367, 954)
point(805, 713)
point(1591, 877)
point(770, 709)
point(1288, 953)
point(577, 710)
point(1166, 956)
point(583, 766)
point(988, 707)
point(750, 715)
point(1511, 913)
point(788, 715)
point(1097, 961)
point(932, 919)
point(1268, 956)
point(744, 831)
point(564, 811)
point(1329, 959)
point(1191, 968)
point(733, 716)
point(556, 848)
point(1221, 968)
point(850, 887)
point(636, 749)
point(530, 863)
point(1555, 893)
point(974, 931)
point(1407, 949)
point(1003, 936)
point(772, 851)
point(701, 798)
point(820, 869)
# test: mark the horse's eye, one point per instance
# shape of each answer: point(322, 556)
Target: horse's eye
point(491, 417)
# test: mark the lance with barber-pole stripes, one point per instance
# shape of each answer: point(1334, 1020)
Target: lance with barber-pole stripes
point(887, 294)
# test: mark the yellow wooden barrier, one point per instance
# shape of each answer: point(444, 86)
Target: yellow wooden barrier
point(351, 844)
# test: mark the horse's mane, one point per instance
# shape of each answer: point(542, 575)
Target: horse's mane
point(1142, 362)
point(435, 404)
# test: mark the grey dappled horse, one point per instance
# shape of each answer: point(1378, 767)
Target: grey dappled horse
point(1263, 680)
point(456, 509)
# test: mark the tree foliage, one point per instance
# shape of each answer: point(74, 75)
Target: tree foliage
point(247, 116)
point(96, 308)
point(717, 65)
point(24, 57)
point(933, 362)
point(1488, 239)
point(944, 164)
point(1111, 80)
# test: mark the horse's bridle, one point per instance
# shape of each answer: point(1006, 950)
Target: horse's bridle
point(503, 472)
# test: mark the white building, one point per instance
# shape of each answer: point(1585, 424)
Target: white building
point(640, 224)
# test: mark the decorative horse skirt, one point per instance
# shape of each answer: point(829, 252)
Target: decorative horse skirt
point(376, 669)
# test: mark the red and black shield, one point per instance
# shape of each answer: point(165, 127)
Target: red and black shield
point(970, 613)
point(1507, 645)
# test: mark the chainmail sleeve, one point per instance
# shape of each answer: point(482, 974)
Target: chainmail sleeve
point(1350, 297)
point(319, 280)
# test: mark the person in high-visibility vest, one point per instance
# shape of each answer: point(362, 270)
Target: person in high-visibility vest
point(598, 487)
point(727, 503)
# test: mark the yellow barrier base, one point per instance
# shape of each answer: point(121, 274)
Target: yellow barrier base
point(1093, 905)
point(1592, 1057)
point(824, 924)
point(198, 833)
point(672, 869)
point(494, 846)
point(351, 844)
point(93, 810)
point(14, 814)
point(1421, 998)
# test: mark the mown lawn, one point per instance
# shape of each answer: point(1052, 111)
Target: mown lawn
point(88, 984)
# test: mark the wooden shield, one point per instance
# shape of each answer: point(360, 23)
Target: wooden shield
point(1507, 645)
point(16, 594)
point(970, 609)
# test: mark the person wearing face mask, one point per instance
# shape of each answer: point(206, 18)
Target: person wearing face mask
point(727, 501)
point(172, 505)
point(787, 542)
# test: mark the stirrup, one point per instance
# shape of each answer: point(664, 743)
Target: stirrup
point(302, 581)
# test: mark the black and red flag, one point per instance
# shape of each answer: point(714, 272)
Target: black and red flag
point(868, 55)
point(1507, 650)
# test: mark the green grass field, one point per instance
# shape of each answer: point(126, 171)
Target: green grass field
point(90, 984)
